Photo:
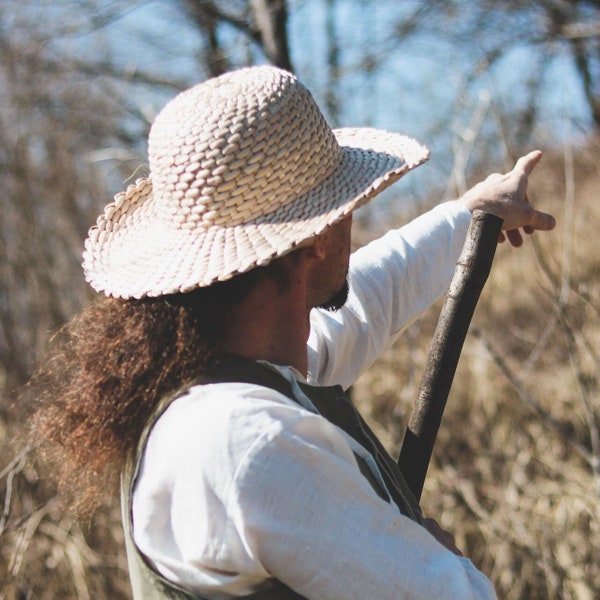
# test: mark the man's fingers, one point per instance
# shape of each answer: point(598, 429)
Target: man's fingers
point(526, 163)
point(506, 197)
point(541, 220)
point(514, 237)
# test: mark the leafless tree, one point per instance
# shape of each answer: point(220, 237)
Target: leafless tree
point(491, 31)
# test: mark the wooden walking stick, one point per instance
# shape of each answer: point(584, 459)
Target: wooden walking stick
point(470, 275)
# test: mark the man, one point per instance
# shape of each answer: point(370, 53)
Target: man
point(210, 375)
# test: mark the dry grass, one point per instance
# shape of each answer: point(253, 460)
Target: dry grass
point(516, 470)
point(515, 474)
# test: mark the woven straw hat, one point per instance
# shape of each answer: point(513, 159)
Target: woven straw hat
point(243, 169)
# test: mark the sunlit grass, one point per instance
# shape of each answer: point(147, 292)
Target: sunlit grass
point(516, 470)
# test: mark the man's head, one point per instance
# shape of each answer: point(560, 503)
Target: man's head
point(243, 169)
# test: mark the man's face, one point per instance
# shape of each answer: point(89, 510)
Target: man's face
point(332, 276)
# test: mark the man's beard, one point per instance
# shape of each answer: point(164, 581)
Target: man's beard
point(338, 299)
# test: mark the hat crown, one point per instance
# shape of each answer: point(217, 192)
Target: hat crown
point(233, 149)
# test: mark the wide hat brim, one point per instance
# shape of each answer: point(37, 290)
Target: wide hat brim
point(133, 251)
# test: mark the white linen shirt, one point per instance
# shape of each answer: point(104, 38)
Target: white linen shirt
point(239, 484)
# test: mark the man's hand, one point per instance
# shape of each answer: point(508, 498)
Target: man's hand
point(441, 535)
point(506, 197)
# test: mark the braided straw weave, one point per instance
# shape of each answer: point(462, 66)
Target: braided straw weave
point(243, 169)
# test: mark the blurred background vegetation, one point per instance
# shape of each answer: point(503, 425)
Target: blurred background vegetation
point(516, 472)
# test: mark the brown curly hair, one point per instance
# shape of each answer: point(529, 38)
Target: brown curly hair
point(109, 368)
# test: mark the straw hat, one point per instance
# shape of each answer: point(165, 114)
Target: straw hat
point(243, 169)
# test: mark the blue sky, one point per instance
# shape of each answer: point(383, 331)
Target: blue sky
point(413, 89)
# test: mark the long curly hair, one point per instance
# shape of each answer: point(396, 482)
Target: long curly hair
point(106, 372)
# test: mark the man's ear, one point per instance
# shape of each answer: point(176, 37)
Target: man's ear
point(315, 248)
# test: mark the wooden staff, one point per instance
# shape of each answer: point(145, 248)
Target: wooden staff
point(470, 275)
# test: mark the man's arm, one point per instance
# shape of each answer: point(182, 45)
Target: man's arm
point(392, 281)
point(397, 277)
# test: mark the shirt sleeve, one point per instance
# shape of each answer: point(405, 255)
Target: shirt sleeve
point(392, 281)
point(309, 518)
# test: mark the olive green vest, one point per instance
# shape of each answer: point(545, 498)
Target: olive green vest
point(332, 403)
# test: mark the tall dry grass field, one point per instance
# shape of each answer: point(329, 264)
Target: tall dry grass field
point(516, 470)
